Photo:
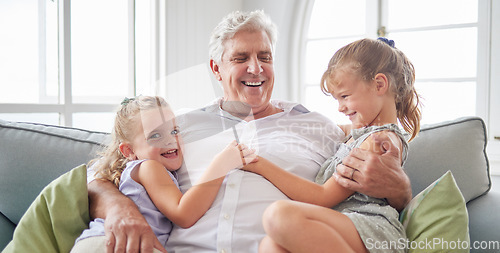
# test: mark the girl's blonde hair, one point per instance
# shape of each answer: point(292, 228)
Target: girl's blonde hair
point(367, 58)
point(110, 162)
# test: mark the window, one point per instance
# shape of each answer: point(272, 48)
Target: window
point(100, 54)
point(345, 26)
point(433, 44)
point(449, 49)
point(443, 48)
point(26, 49)
point(71, 62)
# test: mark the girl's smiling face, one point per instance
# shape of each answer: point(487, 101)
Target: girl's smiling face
point(158, 138)
point(358, 99)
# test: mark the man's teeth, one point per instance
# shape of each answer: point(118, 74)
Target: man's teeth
point(253, 83)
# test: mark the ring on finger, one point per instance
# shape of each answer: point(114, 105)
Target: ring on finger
point(352, 174)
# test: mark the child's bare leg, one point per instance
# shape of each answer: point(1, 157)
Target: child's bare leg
point(267, 245)
point(301, 227)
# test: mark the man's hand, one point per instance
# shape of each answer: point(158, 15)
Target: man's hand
point(129, 232)
point(376, 175)
point(125, 228)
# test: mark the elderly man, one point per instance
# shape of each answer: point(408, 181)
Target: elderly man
point(241, 58)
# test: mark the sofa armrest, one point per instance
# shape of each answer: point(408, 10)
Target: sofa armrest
point(6, 230)
point(483, 222)
point(31, 156)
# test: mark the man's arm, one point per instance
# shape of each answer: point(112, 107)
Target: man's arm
point(125, 227)
point(379, 176)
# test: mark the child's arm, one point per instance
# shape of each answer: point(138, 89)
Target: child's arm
point(298, 188)
point(370, 144)
point(185, 210)
point(346, 129)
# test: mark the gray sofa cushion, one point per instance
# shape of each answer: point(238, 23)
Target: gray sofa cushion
point(459, 146)
point(32, 155)
point(484, 219)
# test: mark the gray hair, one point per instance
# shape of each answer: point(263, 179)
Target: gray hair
point(239, 21)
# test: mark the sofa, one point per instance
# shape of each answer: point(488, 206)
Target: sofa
point(33, 155)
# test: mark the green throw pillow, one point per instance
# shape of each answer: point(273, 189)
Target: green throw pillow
point(57, 216)
point(436, 220)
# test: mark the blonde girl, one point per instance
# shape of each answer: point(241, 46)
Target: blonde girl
point(144, 153)
point(373, 83)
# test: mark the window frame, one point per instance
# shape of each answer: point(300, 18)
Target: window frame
point(492, 57)
point(63, 105)
point(488, 58)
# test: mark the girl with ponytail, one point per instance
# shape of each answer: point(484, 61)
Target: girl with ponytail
point(374, 84)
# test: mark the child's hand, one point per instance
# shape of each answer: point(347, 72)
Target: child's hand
point(247, 155)
point(252, 167)
point(259, 165)
point(235, 156)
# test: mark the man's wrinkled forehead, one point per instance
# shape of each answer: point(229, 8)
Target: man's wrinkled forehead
point(233, 48)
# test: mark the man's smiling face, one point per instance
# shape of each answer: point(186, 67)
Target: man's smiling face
point(246, 71)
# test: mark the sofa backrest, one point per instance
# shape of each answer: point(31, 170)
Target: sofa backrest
point(458, 146)
point(31, 156)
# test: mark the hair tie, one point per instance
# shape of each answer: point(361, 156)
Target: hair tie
point(127, 100)
point(387, 41)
